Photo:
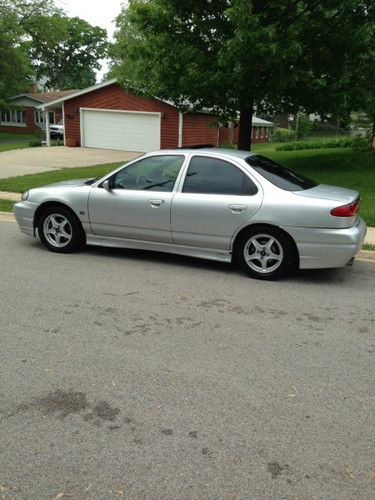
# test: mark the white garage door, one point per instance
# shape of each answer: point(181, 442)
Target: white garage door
point(125, 131)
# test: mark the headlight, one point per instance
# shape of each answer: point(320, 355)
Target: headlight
point(25, 195)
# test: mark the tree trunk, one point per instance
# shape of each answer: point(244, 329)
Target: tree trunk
point(373, 136)
point(245, 127)
point(296, 130)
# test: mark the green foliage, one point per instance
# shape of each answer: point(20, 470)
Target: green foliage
point(15, 69)
point(281, 134)
point(35, 143)
point(280, 54)
point(356, 143)
point(66, 50)
point(362, 143)
point(305, 126)
point(16, 73)
point(345, 142)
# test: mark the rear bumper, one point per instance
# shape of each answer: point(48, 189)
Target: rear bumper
point(327, 248)
point(24, 212)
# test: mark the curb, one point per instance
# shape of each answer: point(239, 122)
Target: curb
point(7, 216)
point(361, 255)
point(365, 255)
point(5, 195)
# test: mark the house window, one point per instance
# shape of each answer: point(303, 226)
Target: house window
point(39, 117)
point(13, 117)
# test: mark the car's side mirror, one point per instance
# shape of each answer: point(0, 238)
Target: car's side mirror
point(107, 185)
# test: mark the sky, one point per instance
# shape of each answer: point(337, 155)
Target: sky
point(97, 12)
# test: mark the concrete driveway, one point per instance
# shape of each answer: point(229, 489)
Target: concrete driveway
point(34, 160)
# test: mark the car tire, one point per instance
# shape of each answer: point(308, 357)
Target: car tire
point(60, 230)
point(264, 252)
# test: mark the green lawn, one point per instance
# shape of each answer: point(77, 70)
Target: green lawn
point(13, 145)
point(340, 166)
point(21, 184)
point(14, 141)
point(7, 137)
point(6, 205)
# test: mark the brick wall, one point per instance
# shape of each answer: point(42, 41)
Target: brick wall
point(197, 129)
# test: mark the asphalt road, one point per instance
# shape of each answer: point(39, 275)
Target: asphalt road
point(144, 376)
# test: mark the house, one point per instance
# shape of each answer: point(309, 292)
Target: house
point(261, 132)
point(106, 116)
point(24, 116)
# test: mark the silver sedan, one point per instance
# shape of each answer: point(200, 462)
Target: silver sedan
point(209, 203)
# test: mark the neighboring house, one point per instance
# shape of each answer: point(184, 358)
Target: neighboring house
point(106, 116)
point(24, 116)
point(261, 132)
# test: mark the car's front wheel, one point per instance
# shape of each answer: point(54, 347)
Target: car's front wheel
point(60, 230)
point(264, 252)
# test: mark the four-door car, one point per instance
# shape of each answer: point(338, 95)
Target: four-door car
point(209, 203)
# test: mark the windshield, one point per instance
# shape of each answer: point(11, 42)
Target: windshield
point(280, 176)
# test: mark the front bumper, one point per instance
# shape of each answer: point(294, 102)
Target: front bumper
point(24, 212)
point(327, 248)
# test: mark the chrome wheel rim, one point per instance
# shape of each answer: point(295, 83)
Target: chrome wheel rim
point(57, 230)
point(263, 253)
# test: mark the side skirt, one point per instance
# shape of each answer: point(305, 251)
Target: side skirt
point(200, 253)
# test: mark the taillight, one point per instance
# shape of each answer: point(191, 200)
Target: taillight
point(346, 210)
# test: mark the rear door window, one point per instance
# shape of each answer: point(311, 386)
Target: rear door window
point(208, 175)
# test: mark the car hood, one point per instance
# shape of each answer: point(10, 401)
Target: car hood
point(71, 183)
point(327, 192)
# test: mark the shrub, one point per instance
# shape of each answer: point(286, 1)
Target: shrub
point(362, 143)
point(282, 135)
point(342, 142)
point(35, 143)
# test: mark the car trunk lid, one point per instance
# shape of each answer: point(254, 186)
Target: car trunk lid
point(327, 192)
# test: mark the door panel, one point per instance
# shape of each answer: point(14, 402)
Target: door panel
point(208, 220)
point(217, 198)
point(137, 204)
point(140, 215)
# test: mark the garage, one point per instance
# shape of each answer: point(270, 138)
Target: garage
point(121, 130)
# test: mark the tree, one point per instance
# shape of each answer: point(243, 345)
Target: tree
point(15, 69)
point(15, 66)
point(66, 50)
point(230, 54)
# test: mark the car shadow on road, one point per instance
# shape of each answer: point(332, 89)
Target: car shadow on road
point(296, 275)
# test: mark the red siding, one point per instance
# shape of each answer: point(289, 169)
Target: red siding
point(114, 97)
point(30, 124)
point(198, 129)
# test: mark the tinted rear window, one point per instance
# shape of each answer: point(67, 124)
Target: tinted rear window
point(280, 176)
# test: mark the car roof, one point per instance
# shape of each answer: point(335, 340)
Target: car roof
point(226, 152)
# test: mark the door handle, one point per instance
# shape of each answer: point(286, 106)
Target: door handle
point(156, 203)
point(237, 209)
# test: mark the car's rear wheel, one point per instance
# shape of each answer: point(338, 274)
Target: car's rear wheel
point(264, 252)
point(60, 230)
